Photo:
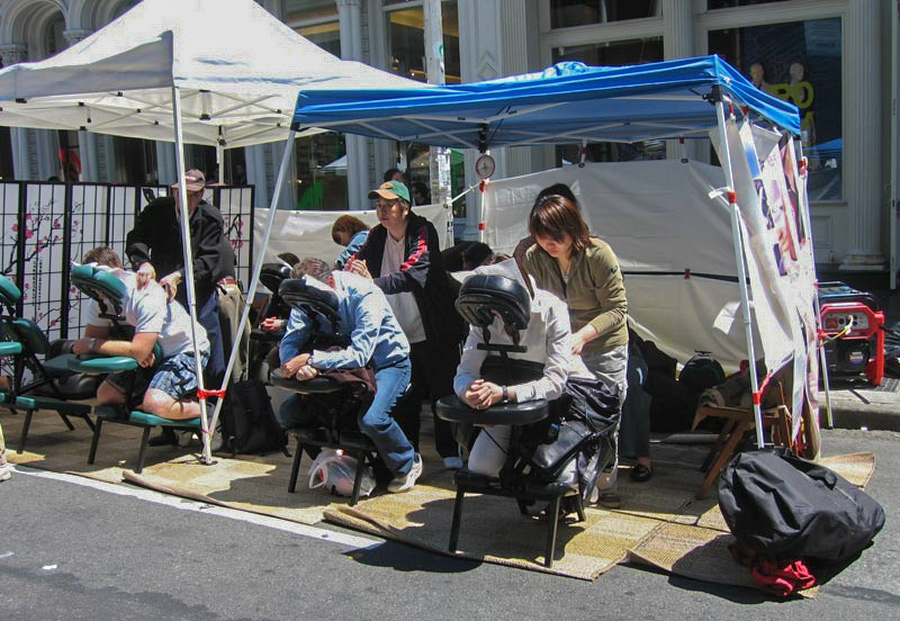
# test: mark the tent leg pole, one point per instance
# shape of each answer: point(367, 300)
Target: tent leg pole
point(187, 257)
point(257, 265)
point(820, 346)
point(741, 267)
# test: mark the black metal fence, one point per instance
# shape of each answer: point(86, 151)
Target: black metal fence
point(47, 226)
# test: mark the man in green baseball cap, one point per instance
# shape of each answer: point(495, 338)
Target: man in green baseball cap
point(391, 190)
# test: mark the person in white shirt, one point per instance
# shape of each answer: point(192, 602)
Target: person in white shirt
point(166, 389)
point(547, 339)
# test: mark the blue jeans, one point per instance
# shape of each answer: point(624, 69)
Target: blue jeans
point(376, 422)
point(208, 317)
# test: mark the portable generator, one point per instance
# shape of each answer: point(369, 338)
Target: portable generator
point(851, 322)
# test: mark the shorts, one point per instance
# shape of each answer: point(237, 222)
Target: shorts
point(176, 377)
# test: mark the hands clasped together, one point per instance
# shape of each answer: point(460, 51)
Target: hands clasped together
point(299, 368)
point(482, 394)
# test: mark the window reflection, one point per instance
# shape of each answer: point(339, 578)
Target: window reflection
point(799, 62)
point(631, 52)
point(727, 4)
point(322, 172)
point(571, 13)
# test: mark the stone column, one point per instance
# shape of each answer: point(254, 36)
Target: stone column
point(87, 142)
point(357, 146)
point(255, 160)
point(12, 54)
point(678, 42)
point(862, 138)
point(480, 59)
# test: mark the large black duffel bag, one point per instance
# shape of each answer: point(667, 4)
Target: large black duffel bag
point(788, 508)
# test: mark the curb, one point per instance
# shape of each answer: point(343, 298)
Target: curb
point(874, 417)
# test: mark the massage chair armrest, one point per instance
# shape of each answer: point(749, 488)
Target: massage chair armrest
point(316, 385)
point(97, 365)
point(453, 410)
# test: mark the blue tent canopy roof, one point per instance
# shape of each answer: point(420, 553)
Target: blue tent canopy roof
point(568, 102)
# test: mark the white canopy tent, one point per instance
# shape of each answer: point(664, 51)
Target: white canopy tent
point(237, 69)
point(222, 73)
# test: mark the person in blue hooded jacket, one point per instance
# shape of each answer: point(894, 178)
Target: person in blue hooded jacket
point(376, 340)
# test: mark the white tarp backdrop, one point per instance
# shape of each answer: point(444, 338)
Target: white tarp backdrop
point(670, 229)
point(661, 218)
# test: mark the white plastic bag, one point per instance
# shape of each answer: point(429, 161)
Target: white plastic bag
point(335, 471)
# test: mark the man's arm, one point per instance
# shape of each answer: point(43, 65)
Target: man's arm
point(295, 337)
point(95, 341)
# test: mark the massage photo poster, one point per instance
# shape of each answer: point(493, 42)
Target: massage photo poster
point(779, 235)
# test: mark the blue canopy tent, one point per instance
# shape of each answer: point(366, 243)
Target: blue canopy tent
point(569, 102)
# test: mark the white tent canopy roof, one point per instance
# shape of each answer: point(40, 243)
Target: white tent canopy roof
point(237, 67)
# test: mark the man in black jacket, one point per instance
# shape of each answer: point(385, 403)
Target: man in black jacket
point(154, 248)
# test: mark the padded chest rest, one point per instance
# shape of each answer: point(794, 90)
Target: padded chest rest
point(309, 296)
point(95, 281)
point(482, 293)
point(9, 292)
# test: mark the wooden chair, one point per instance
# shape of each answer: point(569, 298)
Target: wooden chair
point(777, 420)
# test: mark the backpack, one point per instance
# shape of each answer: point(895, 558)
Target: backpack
point(249, 425)
point(701, 372)
point(786, 507)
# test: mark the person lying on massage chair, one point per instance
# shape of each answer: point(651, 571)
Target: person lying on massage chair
point(548, 340)
point(377, 340)
point(167, 389)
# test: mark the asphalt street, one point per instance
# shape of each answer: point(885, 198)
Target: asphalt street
point(74, 549)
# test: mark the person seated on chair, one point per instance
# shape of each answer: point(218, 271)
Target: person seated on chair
point(548, 341)
point(377, 340)
point(165, 389)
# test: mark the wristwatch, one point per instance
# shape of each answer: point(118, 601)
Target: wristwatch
point(92, 346)
point(505, 395)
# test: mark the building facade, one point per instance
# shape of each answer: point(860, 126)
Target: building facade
point(834, 58)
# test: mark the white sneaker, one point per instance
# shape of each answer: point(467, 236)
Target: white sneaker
point(185, 438)
point(5, 472)
point(453, 463)
point(218, 442)
point(406, 482)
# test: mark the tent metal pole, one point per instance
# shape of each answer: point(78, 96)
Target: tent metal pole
point(257, 264)
point(187, 258)
point(820, 347)
point(220, 162)
point(741, 267)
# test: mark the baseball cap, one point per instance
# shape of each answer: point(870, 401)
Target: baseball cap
point(195, 180)
point(391, 190)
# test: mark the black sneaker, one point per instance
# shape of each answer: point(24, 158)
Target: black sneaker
point(166, 437)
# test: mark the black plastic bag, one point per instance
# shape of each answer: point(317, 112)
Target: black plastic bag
point(786, 507)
